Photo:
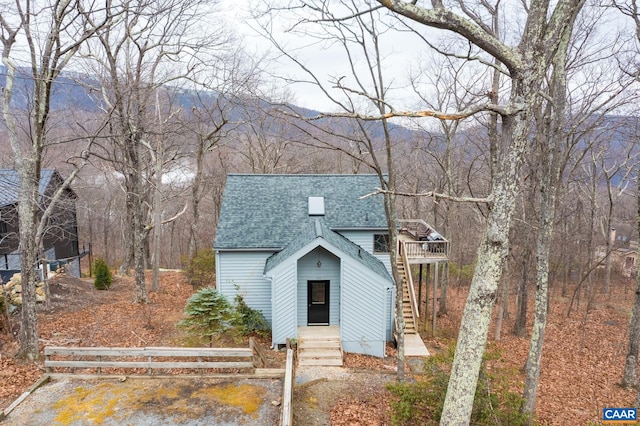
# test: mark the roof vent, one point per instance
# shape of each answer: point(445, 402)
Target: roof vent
point(316, 206)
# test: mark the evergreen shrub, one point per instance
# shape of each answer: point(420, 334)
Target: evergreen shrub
point(103, 276)
point(206, 314)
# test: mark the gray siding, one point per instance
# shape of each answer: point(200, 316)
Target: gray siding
point(364, 297)
point(245, 270)
point(329, 270)
point(365, 240)
point(390, 306)
point(284, 305)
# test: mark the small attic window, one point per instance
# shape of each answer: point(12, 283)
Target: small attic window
point(316, 206)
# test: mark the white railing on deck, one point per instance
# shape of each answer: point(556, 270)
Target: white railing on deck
point(427, 249)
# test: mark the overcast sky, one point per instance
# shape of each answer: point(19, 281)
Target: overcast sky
point(403, 54)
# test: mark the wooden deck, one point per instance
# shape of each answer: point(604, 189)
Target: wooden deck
point(421, 243)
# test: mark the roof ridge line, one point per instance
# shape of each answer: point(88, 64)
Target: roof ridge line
point(318, 228)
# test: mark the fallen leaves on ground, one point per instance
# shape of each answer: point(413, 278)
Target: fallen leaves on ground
point(581, 366)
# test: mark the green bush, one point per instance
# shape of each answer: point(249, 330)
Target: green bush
point(103, 275)
point(207, 313)
point(200, 270)
point(421, 402)
point(249, 320)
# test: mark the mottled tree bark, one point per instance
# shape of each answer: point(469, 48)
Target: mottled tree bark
point(527, 64)
point(51, 41)
point(630, 373)
point(550, 134)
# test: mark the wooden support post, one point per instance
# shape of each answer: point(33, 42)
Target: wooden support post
point(435, 300)
point(420, 290)
point(426, 295)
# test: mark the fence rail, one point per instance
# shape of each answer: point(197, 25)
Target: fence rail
point(286, 418)
point(147, 360)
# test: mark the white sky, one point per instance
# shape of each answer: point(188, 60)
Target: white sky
point(403, 54)
point(326, 62)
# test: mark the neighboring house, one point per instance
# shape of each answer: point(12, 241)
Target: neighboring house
point(307, 250)
point(61, 237)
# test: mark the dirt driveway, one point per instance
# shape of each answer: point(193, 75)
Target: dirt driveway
point(143, 401)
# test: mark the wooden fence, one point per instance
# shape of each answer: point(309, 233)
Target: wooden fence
point(287, 393)
point(146, 361)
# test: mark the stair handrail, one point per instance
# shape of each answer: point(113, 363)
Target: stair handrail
point(412, 293)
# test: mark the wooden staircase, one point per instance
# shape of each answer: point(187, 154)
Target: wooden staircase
point(407, 306)
point(319, 346)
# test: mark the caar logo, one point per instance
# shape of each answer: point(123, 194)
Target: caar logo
point(619, 415)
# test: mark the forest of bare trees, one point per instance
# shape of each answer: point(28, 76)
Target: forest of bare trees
point(511, 127)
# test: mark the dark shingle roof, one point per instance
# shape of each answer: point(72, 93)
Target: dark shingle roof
point(316, 229)
point(9, 185)
point(269, 211)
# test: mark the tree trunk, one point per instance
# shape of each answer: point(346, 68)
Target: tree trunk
point(442, 308)
point(27, 211)
point(520, 324)
point(630, 373)
point(545, 229)
point(157, 218)
point(493, 250)
point(504, 300)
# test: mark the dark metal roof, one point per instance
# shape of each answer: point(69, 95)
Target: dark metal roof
point(10, 181)
point(269, 211)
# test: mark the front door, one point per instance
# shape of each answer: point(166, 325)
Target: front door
point(318, 302)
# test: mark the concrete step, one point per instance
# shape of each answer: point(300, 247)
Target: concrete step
point(319, 353)
point(319, 356)
point(319, 344)
point(312, 338)
point(320, 362)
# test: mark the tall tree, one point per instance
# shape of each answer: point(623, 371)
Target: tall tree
point(53, 32)
point(527, 64)
point(153, 44)
point(630, 373)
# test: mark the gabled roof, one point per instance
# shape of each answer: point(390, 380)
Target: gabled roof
point(10, 182)
point(269, 211)
point(316, 229)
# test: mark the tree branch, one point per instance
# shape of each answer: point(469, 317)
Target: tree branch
point(431, 194)
point(441, 115)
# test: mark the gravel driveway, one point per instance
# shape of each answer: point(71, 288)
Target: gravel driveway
point(143, 401)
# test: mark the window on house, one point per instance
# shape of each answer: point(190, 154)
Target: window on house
point(381, 243)
point(3, 228)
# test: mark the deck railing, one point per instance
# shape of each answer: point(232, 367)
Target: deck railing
point(426, 249)
point(412, 292)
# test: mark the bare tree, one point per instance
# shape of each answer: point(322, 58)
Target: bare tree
point(527, 64)
point(152, 44)
point(53, 31)
point(630, 373)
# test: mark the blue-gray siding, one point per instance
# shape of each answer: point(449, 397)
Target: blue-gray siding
point(365, 240)
point(390, 306)
point(284, 305)
point(363, 328)
point(242, 272)
point(329, 270)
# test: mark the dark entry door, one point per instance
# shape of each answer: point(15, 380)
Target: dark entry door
point(318, 302)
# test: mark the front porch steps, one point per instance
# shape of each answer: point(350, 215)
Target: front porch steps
point(319, 346)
